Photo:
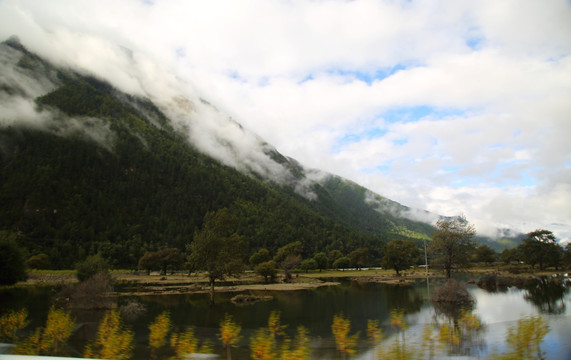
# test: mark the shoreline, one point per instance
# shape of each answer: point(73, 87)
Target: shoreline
point(137, 284)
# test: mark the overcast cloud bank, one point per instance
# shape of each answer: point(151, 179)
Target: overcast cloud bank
point(453, 107)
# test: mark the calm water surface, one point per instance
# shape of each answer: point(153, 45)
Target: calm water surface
point(314, 309)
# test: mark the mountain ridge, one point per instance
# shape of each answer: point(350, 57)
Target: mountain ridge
point(87, 168)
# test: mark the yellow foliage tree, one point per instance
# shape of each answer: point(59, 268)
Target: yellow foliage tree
point(206, 347)
point(428, 340)
point(374, 333)
point(274, 324)
point(229, 334)
point(344, 342)
point(263, 345)
point(112, 340)
point(11, 323)
point(398, 321)
point(184, 343)
point(399, 350)
point(299, 349)
point(158, 332)
point(449, 335)
point(48, 340)
point(460, 333)
point(470, 322)
point(264, 342)
point(525, 338)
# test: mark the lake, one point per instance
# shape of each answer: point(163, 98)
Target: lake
point(315, 309)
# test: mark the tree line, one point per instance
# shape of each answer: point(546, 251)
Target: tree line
point(219, 250)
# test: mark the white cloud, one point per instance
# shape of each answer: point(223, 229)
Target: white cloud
point(495, 78)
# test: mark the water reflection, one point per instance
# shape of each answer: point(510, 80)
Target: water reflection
point(454, 331)
point(547, 294)
point(460, 331)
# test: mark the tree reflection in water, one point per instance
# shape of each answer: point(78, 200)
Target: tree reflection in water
point(547, 294)
point(458, 330)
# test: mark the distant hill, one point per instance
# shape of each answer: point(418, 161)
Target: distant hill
point(86, 168)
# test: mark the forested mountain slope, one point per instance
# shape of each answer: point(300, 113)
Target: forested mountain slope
point(85, 168)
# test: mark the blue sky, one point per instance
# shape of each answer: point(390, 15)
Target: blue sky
point(449, 106)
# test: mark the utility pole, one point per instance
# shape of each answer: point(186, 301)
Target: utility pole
point(426, 268)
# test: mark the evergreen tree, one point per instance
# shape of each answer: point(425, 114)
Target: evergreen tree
point(12, 264)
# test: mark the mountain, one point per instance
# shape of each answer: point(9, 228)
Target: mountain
point(87, 168)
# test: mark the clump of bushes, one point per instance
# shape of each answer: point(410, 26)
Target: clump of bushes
point(92, 265)
point(132, 310)
point(453, 291)
point(93, 293)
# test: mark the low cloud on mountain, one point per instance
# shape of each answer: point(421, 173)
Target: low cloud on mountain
point(445, 106)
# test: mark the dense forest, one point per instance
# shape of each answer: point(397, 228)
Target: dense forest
point(145, 186)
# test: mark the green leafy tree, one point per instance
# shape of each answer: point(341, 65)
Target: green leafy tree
point(164, 260)
point(216, 248)
point(39, 261)
point(259, 257)
point(334, 255)
point(288, 257)
point(342, 263)
point(12, 265)
point(92, 265)
point(400, 254)
point(509, 255)
point(150, 261)
point(322, 260)
point(308, 264)
point(567, 255)
point(359, 257)
point(452, 243)
point(170, 259)
point(267, 270)
point(485, 254)
point(539, 247)
point(292, 249)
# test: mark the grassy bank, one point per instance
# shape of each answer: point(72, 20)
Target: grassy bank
point(141, 283)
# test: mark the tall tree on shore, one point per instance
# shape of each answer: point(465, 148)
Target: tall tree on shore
point(452, 243)
point(288, 257)
point(539, 247)
point(216, 248)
